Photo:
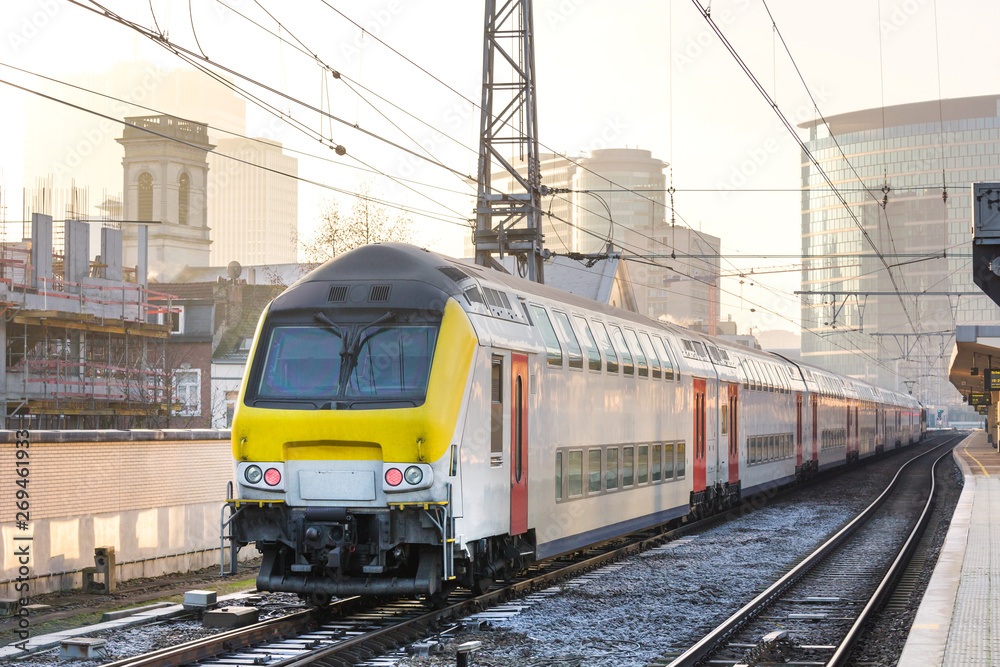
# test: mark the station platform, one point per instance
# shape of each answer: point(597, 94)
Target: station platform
point(958, 621)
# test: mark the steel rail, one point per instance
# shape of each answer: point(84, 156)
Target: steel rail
point(208, 647)
point(888, 582)
point(710, 642)
point(379, 641)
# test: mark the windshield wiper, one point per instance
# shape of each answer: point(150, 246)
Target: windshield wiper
point(352, 346)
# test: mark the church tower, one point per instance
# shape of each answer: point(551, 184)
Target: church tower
point(166, 176)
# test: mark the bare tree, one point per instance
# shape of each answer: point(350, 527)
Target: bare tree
point(367, 222)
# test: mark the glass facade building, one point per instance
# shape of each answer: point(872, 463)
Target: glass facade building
point(905, 172)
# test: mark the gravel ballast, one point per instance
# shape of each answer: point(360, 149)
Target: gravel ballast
point(664, 600)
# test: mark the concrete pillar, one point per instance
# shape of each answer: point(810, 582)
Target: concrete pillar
point(76, 251)
point(142, 258)
point(41, 249)
point(3, 372)
point(111, 253)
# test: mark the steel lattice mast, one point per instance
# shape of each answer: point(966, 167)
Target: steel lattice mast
point(509, 86)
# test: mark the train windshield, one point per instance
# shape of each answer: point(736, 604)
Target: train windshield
point(314, 363)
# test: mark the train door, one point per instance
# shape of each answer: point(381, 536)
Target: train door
point(847, 434)
point(815, 438)
point(734, 446)
point(857, 434)
point(519, 444)
point(798, 429)
point(699, 436)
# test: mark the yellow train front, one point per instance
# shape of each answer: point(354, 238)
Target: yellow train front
point(344, 429)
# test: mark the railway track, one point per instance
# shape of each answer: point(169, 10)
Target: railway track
point(354, 630)
point(816, 612)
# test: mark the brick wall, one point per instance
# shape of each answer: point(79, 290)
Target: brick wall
point(155, 496)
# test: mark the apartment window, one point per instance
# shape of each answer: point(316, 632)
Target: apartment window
point(187, 392)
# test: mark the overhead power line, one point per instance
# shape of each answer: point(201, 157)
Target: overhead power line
point(401, 207)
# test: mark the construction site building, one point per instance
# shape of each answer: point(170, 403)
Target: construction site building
point(80, 351)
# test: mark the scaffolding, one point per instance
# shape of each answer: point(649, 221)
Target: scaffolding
point(86, 354)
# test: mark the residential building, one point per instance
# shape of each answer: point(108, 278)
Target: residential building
point(915, 163)
point(79, 350)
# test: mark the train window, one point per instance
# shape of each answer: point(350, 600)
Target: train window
point(610, 356)
point(755, 381)
point(575, 476)
point(773, 442)
point(724, 417)
point(765, 381)
point(611, 469)
point(661, 352)
point(496, 412)
point(647, 347)
point(654, 464)
point(593, 354)
point(594, 471)
point(758, 446)
point(568, 339)
point(743, 371)
point(628, 466)
point(637, 353)
point(559, 476)
point(668, 460)
point(681, 463)
point(616, 335)
point(642, 465)
point(552, 349)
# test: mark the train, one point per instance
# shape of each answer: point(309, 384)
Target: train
point(409, 423)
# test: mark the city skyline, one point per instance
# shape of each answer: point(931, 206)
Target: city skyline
point(735, 173)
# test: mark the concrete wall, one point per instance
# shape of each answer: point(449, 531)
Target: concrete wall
point(155, 496)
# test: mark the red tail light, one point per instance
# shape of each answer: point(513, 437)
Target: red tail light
point(393, 476)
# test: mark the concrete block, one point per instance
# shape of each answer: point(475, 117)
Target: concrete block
point(199, 598)
point(231, 617)
point(124, 613)
point(81, 648)
point(8, 606)
point(37, 608)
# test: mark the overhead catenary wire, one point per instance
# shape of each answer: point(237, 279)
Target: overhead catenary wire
point(192, 58)
point(232, 133)
point(805, 150)
point(408, 209)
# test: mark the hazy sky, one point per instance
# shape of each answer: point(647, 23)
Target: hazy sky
point(604, 80)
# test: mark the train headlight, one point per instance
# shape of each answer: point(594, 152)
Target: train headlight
point(253, 474)
point(272, 477)
point(413, 475)
point(393, 477)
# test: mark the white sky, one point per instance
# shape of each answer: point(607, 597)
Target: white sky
point(604, 70)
